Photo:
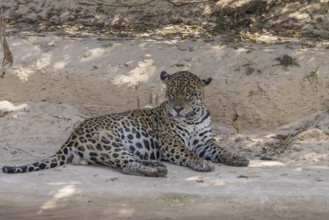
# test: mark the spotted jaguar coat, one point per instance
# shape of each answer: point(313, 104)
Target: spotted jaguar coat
point(177, 131)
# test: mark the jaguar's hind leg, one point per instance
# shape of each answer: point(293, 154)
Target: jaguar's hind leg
point(145, 168)
point(129, 163)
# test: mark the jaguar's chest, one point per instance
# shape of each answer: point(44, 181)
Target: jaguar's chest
point(188, 133)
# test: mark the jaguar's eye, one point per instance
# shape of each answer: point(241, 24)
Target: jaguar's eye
point(170, 96)
point(188, 96)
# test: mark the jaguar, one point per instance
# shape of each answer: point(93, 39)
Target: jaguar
point(138, 141)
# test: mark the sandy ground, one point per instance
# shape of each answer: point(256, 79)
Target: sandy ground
point(265, 190)
point(82, 58)
point(47, 93)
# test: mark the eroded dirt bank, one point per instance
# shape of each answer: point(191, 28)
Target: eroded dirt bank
point(47, 93)
point(100, 76)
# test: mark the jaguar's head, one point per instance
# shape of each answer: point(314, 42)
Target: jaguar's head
point(184, 92)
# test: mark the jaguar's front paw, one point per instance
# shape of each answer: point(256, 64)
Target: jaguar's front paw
point(243, 162)
point(235, 160)
point(201, 165)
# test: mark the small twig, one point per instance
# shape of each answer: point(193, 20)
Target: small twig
point(182, 3)
point(19, 149)
point(120, 5)
point(59, 117)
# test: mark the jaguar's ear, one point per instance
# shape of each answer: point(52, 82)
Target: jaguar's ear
point(164, 76)
point(206, 82)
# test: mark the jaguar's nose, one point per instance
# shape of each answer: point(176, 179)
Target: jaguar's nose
point(178, 109)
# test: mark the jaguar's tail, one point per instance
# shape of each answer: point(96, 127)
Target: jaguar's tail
point(59, 159)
